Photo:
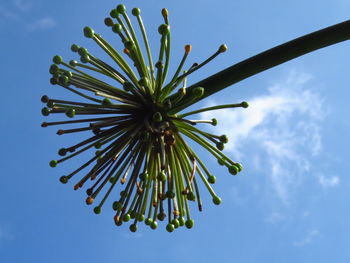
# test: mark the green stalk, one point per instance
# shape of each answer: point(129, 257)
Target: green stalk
point(269, 59)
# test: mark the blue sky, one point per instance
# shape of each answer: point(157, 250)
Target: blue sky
point(289, 205)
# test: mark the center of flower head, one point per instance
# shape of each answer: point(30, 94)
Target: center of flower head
point(137, 127)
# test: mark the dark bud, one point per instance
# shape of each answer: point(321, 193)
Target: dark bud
point(74, 48)
point(44, 99)
point(97, 210)
point(108, 22)
point(245, 104)
point(62, 152)
point(45, 111)
point(64, 179)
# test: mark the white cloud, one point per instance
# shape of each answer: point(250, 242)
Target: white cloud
point(307, 239)
point(42, 24)
point(23, 6)
point(283, 128)
point(329, 181)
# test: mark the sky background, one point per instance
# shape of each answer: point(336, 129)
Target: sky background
point(290, 204)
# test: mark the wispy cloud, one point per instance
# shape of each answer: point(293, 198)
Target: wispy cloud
point(23, 6)
point(328, 181)
point(307, 239)
point(282, 126)
point(275, 217)
point(42, 24)
point(8, 14)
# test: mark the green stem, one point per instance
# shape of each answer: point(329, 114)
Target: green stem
point(270, 58)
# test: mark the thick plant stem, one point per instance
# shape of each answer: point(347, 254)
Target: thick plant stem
point(270, 58)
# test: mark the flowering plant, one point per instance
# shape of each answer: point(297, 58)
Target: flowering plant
point(139, 122)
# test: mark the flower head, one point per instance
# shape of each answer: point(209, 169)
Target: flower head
point(135, 126)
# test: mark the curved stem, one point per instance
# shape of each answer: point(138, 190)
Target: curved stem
point(270, 58)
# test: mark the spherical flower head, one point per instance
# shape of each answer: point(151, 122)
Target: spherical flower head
point(134, 114)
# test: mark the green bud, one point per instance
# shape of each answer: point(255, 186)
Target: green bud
point(161, 216)
point(70, 113)
point(88, 32)
point(148, 221)
point(45, 111)
point(97, 210)
point(68, 74)
point(189, 223)
point(211, 179)
point(136, 11)
point(175, 222)
point(85, 58)
point(216, 200)
point(223, 48)
point(44, 99)
point(121, 8)
point(57, 59)
point(74, 48)
point(181, 221)
point(129, 45)
point(224, 139)
point(245, 104)
point(164, 29)
point(233, 169)
point(126, 217)
point(63, 80)
point(54, 81)
point(117, 28)
point(53, 163)
point(191, 196)
point(54, 68)
point(82, 51)
point(133, 214)
point(239, 166)
point(140, 218)
point(214, 122)
point(114, 13)
point(170, 228)
point(154, 225)
point(133, 227)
